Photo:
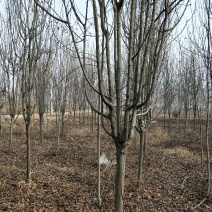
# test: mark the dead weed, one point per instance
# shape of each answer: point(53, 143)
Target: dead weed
point(157, 135)
point(182, 153)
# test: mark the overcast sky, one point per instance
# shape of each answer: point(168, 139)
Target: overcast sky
point(182, 29)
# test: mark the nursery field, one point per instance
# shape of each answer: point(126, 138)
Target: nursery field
point(64, 176)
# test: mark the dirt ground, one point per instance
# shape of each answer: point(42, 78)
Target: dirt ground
point(64, 177)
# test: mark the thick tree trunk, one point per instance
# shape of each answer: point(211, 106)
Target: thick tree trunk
point(47, 122)
point(41, 127)
point(140, 164)
point(58, 129)
point(208, 152)
point(11, 135)
point(179, 121)
point(96, 118)
point(207, 140)
point(62, 124)
point(92, 121)
point(99, 152)
point(144, 146)
point(120, 176)
point(79, 116)
point(56, 119)
point(28, 151)
point(74, 116)
point(0, 127)
point(164, 121)
point(209, 85)
point(88, 115)
point(186, 119)
point(169, 126)
point(50, 108)
point(201, 142)
point(83, 116)
point(200, 135)
point(195, 120)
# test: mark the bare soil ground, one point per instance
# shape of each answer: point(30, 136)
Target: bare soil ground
point(64, 177)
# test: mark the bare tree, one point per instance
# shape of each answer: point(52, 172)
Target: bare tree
point(41, 86)
point(143, 48)
point(202, 44)
point(208, 63)
point(196, 84)
point(169, 91)
point(11, 66)
point(2, 102)
point(30, 23)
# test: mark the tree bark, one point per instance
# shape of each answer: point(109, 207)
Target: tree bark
point(195, 120)
point(41, 127)
point(99, 165)
point(186, 119)
point(62, 124)
point(74, 116)
point(209, 84)
point(179, 121)
point(11, 135)
point(92, 121)
point(207, 141)
point(140, 164)
point(28, 151)
point(145, 146)
point(200, 135)
point(164, 121)
point(79, 116)
point(58, 128)
point(120, 176)
point(0, 127)
point(169, 114)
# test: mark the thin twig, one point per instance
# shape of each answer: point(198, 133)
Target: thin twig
point(199, 204)
point(182, 186)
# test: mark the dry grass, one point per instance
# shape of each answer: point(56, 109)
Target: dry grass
point(157, 135)
point(7, 170)
point(56, 168)
point(182, 153)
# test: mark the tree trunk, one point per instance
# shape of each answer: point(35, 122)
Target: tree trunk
point(120, 176)
point(195, 120)
point(83, 116)
point(33, 120)
point(62, 124)
point(58, 129)
point(207, 136)
point(0, 127)
point(56, 119)
point(47, 121)
point(92, 121)
point(50, 108)
point(186, 119)
point(28, 151)
point(179, 121)
point(11, 135)
point(96, 118)
point(99, 165)
point(140, 164)
point(41, 127)
point(79, 116)
point(88, 115)
point(145, 146)
point(208, 151)
point(74, 116)
point(169, 126)
point(164, 121)
point(201, 142)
